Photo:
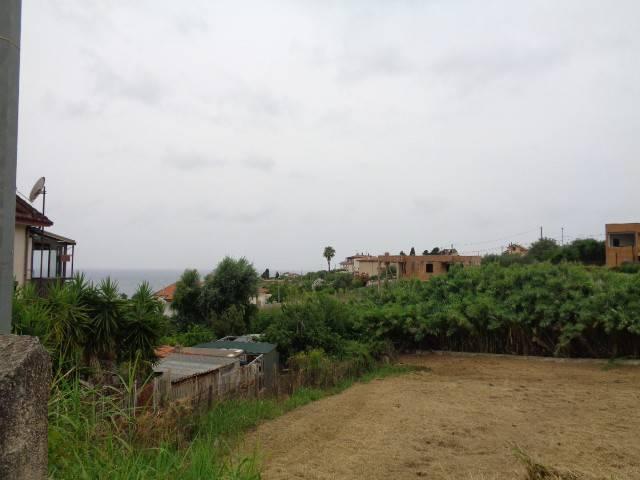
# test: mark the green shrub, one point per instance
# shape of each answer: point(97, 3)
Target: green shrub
point(542, 309)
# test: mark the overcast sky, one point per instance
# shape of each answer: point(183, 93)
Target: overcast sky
point(174, 133)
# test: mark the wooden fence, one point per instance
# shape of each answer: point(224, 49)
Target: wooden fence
point(226, 382)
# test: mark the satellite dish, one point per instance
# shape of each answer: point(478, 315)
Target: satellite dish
point(37, 189)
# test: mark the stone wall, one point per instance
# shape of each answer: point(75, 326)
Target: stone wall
point(25, 376)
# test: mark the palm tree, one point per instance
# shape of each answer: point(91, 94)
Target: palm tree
point(329, 253)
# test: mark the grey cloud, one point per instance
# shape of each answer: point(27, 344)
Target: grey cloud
point(361, 65)
point(82, 108)
point(258, 101)
point(474, 68)
point(192, 161)
point(431, 204)
point(187, 25)
point(141, 87)
point(264, 164)
point(244, 217)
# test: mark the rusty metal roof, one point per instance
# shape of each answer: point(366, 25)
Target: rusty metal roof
point(182, 366)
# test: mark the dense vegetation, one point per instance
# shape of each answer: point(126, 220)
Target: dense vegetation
point(586, 251)
point(544, 309)
point(538, 309)
point(222, 302)
point(327, 331)
point(293, 289)
point(82, 324)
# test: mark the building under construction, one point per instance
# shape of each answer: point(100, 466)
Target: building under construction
point(421, 267)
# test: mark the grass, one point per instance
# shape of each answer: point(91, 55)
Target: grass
point(91, 437)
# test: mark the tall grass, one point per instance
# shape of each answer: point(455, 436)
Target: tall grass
point(92, 436)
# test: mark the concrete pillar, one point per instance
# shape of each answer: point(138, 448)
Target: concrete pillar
point(9, 75)
point(25, 379)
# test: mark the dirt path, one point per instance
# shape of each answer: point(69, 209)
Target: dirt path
point(460, 420)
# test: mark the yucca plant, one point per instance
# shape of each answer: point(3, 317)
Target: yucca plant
point(144, 325)
point(107, 311)
point(68, 321)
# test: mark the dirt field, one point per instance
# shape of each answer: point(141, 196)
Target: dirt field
point(460, 420)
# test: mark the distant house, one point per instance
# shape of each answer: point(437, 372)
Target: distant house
point(515, 249)
point(289, 275)
point(165, 295)
point(352, 264)
point(421, 267)
point(622, 243)
point(261, 298)
point(40, 256)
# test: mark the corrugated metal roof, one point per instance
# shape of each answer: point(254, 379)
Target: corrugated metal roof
point(256, 348)
point(183, 366)
point(213, 352)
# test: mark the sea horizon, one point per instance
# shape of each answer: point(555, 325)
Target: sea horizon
point(128, 279)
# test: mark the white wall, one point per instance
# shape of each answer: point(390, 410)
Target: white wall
point(21, 252)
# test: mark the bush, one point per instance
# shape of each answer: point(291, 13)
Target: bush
point(81, 324)
point(541, 309)
point(192, 335)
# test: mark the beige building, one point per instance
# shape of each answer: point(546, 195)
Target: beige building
point(421, 267)
point(261, 298)
point(366, 266)
point(39, 256)
point(515, 249)
point(622, 243)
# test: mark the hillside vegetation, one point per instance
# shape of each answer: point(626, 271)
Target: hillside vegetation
point(532, 309)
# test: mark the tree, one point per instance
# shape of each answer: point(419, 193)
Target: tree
point(412, 252)
point(266, 275)
point(186, 299)
point(233, 321)
point(233, 282)
point(402, 254)
point(585, 250)
point(435, 251)
point(329, 253)
point(277, 275)
point(544, 249)
point(426, 252)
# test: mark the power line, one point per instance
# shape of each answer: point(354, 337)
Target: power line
point(508, 237)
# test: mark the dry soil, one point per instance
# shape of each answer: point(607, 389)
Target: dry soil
point(461, 420)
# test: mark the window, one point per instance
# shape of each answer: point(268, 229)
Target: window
point(429, 267)
point(622, 239)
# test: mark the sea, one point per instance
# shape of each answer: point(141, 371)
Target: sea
point(128, 280)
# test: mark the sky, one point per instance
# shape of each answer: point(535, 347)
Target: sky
point(174, 133)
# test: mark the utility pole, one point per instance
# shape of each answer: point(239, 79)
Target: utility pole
point(562, 236)
point(9, 75)
point(541, 233)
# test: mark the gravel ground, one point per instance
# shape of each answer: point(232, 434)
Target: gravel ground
point(461, 420)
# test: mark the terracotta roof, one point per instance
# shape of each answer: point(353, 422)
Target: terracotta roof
point(166, 293)
point(27, 215)
point(164, 350)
